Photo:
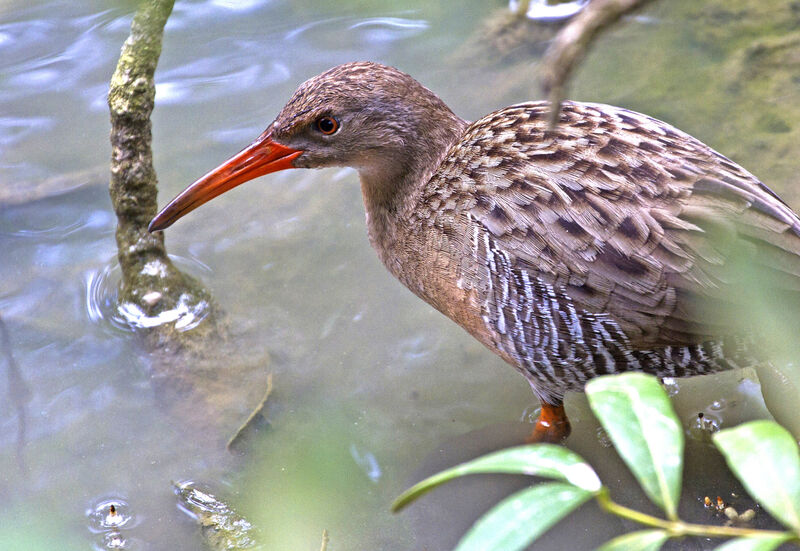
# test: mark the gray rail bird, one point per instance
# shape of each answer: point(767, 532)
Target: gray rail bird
point(604, 245)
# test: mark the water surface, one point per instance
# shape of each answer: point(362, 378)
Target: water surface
point(374, 389)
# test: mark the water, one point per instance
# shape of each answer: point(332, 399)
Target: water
point(373, 389)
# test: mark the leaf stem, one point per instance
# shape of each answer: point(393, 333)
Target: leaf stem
point(677, 528)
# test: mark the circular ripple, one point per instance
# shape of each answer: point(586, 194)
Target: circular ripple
point(103, 306)
point(110, 514)
point(530, 414)
point(703, 425)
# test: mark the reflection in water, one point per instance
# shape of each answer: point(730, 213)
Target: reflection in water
point(186, 315)
point(367, 461)
point(547, 10)
point(387, 29)
point(16, 129)
point(19, 395)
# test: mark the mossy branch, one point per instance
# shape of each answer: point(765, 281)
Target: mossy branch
point(131, 98)
point(151, 284)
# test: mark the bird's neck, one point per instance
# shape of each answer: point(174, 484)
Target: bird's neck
point(392, 187)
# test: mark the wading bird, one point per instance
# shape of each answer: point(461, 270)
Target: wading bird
point(604, 245)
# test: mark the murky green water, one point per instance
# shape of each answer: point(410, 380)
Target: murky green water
point(373, 388)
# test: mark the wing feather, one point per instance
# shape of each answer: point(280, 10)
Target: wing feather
point(630, 216)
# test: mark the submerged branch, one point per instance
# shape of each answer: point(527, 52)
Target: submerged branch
point(222, 527)
point(234, 441)
point(19, 394)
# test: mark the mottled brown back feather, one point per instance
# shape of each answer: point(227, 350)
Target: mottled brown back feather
point(632, 217)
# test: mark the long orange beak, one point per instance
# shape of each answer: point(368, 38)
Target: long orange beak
point(260, 157)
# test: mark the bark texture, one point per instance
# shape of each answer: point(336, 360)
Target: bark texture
point(151, 286)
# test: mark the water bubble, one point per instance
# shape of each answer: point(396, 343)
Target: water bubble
point(603, 438)
point(671, 386)
point(703, 425)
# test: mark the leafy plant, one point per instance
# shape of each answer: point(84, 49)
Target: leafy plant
point(638, 417)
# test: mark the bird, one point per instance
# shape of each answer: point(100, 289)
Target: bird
point(606, 244)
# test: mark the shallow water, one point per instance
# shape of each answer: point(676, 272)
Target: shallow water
point(373, 388)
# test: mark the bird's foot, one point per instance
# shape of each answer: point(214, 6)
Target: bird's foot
point(552, 425)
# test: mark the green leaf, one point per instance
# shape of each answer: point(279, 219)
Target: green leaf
point(638, 417)
point(755, 543)
point(764, 456)
point(522, 517)
point(536, 459)
point(645, 540)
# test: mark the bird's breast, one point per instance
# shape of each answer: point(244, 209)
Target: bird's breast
point(431, 261)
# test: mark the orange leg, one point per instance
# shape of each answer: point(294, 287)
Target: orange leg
point(551, 426)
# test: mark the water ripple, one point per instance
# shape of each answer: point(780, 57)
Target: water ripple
point(392, 22)
point(190, 14)
point(102, 304)
point(16, 129)
point(372, 29)
point(387, 29)
point(367, 462)
point(89, 220)
point(43, 56)
point(112, 518)
point(110, 513)
point(201, 81)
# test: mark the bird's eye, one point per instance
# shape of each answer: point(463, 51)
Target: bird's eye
point(327, 125)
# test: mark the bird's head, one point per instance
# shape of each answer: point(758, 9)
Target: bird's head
point(368, 116)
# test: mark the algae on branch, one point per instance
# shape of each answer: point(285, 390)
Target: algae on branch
point(151, 284)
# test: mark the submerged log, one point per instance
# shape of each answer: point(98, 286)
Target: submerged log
point(222, 527)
